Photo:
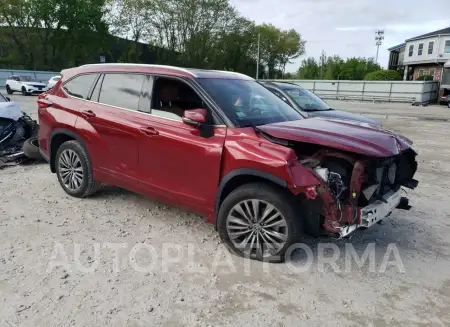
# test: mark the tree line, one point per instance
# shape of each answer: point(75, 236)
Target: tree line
point(337, 68)
point(210, 34)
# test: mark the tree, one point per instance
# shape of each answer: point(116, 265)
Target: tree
point(54, 33)
point(309, 69)
point(384, 75)
point(337, 68)
point(278, 47)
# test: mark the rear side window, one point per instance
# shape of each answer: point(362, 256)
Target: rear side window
point(80, 86)
point(122, 90)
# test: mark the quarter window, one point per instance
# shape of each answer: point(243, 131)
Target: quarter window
point(420, 49)
point(430, 47)
point(411, 50)
point(122, 90)
point(80, 86)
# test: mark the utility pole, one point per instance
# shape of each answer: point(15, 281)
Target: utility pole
point(379, 37)
point(323, 57)
point(257, 62)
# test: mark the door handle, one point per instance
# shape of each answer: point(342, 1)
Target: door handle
point(88, 113)
point(149, 131)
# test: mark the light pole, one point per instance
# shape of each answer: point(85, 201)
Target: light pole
point(379, 37)
point(257, 62)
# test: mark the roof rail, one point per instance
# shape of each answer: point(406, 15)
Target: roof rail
point(143, 65)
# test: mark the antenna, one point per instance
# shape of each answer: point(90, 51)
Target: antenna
point(379, 37)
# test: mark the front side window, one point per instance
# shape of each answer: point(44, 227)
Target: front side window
point(420, 49)
point(430, 47)
point(248, 103)
point(411, 50)
point(307, 100)
point(447, 46)
point(80, 86)
point(122, 90)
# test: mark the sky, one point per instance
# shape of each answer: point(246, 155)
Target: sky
point(347, 27)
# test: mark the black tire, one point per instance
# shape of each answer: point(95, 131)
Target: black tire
point(24, 91)
point(280, 198)
point(88, 185)
point(31, 149)
point(8, 90)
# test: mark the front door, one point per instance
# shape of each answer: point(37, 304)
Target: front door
point(175, 160)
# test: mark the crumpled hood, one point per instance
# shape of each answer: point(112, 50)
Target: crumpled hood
point(348, 136)
point(10, 110)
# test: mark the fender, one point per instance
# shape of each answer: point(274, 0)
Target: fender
point(62, 131)
point(244, 172)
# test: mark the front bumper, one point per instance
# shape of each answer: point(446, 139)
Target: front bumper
point(36, 90)
point(374, 212)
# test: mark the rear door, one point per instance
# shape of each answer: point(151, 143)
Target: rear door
point(112, 118)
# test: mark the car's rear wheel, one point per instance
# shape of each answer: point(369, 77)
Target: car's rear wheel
point(259, 221)
point(24, 91)
point(8, 90)
point(74, 170)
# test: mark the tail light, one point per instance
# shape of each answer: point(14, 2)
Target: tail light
point(43, 102)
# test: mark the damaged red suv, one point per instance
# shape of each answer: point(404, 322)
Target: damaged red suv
point(222, 145)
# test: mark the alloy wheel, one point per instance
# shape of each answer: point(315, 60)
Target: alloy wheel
point(257, 228)
point(70, 170)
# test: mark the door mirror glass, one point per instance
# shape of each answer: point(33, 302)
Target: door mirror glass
point(194, 117)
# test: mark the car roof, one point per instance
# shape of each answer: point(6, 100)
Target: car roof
point(281, 85)
point(153, 69)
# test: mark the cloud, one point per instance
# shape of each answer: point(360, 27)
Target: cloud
point(347, 27)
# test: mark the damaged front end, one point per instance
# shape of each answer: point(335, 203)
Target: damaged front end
point(355, 191)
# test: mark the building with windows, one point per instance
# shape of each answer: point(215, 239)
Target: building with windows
point(422, 56)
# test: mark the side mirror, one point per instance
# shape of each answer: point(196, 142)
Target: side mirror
point(8, 99)
point(194, 117)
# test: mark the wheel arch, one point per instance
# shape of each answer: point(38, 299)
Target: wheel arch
point(238, 177)
point(58, 137)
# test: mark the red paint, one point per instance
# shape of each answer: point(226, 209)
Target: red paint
point(343, 135)
point(169, 160)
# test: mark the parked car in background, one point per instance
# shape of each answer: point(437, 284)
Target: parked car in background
point(309, 104)
point(52, 81)
point(221, 144)
point(25, 84)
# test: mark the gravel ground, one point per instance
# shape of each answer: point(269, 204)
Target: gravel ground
point(59, 265)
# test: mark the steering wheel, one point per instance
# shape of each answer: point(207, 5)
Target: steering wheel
point(308, 106)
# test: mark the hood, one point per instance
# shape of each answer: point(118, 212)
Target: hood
point(34, 83)
point(10, 110)
point(342, 115)
point(362, 138)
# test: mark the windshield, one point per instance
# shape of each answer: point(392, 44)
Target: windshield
point(2, 98)
point(306, 100)
point(27, 79)
point(248, 103)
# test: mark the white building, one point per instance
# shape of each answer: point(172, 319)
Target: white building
point(424, 55)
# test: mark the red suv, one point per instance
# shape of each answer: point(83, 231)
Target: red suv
point(222, 145)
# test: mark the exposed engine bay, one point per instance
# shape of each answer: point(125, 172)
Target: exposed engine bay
point(356, 191)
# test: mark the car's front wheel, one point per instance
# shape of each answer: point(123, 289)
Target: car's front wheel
point(259, 221)
point(24, 91)
point(74, 170)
